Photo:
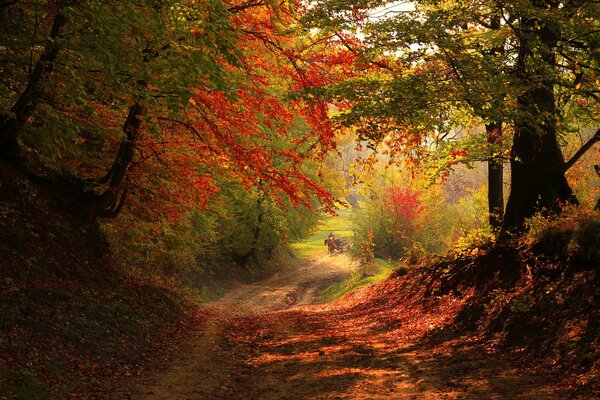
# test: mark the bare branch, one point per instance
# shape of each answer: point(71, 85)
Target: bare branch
point(588, 145)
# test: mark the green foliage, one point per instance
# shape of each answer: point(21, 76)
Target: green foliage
point(460, 225)
point(433, 72)
point(521, 304)
point(239, 230)
point(466, 148)
point(443, 65)
point(363, 249)
point(473, 240)
point(373, 234)
point(472, 228)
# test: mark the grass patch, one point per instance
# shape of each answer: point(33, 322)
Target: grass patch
point(313, 246)
point(382, 270)
point(340, 225)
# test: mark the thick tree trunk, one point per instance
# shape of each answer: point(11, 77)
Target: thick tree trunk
point(537, 174)
point(597, 168)
point(538, 180)
point(495, 178)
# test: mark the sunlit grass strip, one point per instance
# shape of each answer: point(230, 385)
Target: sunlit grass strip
point(383, 269)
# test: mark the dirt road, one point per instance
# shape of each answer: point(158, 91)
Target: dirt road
point(297, 285)
point(270, 341)
point(211, 368)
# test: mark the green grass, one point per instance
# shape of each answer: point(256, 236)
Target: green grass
point(313, 246)
point(383, 269)
point(339, 225)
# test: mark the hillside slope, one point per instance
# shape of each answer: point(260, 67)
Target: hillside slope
point(72, 325)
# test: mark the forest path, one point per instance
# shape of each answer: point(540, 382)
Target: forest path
point(296, 285)
point(266, 341)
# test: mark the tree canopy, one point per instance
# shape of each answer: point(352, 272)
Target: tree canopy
point(114, 98)
point(430, 67)
point(148, 102)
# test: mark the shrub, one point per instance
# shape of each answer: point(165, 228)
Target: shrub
point(572, 235)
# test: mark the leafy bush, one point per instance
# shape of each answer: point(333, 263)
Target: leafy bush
point(408, 223)
point(384, 226)
point(240, 230)
point(572, 235)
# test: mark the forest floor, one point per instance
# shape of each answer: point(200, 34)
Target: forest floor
point(273, 340)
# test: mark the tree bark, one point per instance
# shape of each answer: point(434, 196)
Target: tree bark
point(110, 203)
point(495, 178)
point(537, 174)
point(538, 180)
point(597, 169)
point(21, 110)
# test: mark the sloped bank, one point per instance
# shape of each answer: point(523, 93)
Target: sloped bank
point(538, 295)
point(72, 325)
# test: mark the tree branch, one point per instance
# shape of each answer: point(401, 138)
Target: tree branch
point(245, 6)
point(353, 50)
point(582, 150)
point(19, 112)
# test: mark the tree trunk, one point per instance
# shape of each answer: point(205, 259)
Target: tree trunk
point(10, 125)
point(538, 180)
point(495, 178)
point(537, 175)
point(110, 203)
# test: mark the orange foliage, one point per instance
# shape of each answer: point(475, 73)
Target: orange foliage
point(253, 131)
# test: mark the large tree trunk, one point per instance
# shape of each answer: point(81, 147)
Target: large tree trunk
point(538, 180)
point(537, 173)
point(495, 178)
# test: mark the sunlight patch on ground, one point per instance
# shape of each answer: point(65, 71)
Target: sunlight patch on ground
point(308, 355)
point(360, 371)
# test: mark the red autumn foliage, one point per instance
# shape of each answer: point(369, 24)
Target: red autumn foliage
point(404, 206)
point(250, 132)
